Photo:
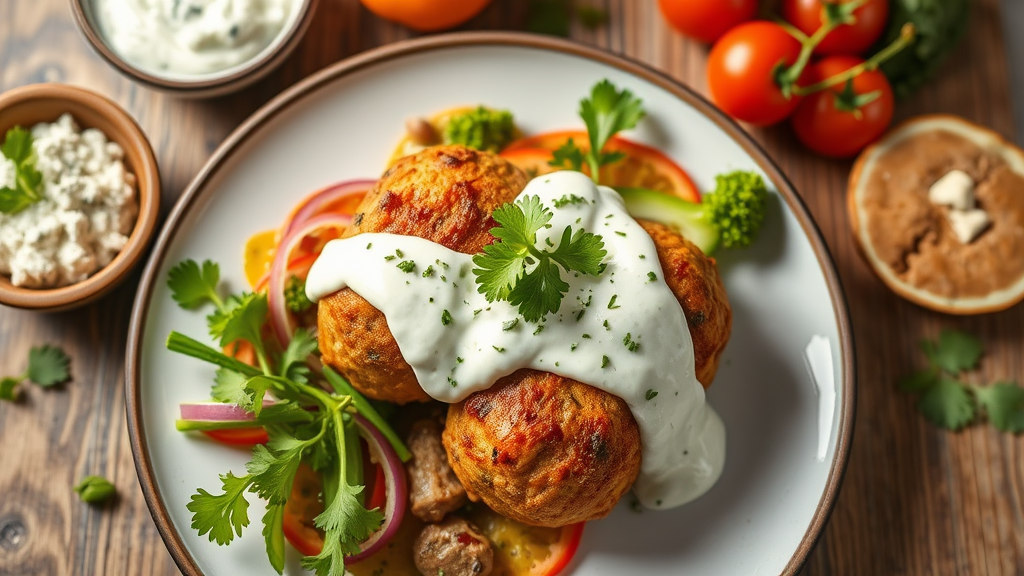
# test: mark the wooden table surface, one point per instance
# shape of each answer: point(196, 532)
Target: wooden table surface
point(916, 500)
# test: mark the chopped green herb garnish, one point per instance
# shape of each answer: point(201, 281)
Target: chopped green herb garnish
point(459, 359)
point(650, 394)
point(651, 276)
point(295, 295)
point(446, 318)
point(569, 199)
point(499, 349)
point(629, 343)
point(399, 253)
point(573, 347)
point(429, 271)
point(579, 315)
point(452, 382)
point(586, 336)
point(605, 361)
point(390, 257)
point(606, 325)
point(511, 324)
point(539, 329)
point(623, 234)
point(642, 257)
point(611, 303)
point(370, 245)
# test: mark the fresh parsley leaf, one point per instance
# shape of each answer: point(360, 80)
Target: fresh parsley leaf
point(607, 112)
point(242, 318)
point(539, 292)
point(954, 351)
point(1004, 404)
point(947, 404)
point(9, 389)
point(345, 522)
point(569, 156)
point(47, 366)
point(229, 388)
point(192, 286)
point(501, 272)
point(273, 535)
point(222, 516)
point(293, 361)
point(17, 148)
point(273, 466)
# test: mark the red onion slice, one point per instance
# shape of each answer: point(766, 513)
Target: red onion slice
point(215, 412)
point(316, 202)
point(395, 487)
point(280, 320)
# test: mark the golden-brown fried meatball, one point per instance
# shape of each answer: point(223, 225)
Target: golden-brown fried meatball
point(445, 194)
point(543, 449)
point(693, 278)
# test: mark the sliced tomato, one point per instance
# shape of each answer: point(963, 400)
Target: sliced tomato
point(239, 436)
point(562, 551)
point(642, 167)
point(376, 492)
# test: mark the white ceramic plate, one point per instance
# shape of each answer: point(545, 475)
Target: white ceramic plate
point(788, 433)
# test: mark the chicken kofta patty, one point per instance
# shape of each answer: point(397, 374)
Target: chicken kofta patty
point(544, 450)
point(444, 194)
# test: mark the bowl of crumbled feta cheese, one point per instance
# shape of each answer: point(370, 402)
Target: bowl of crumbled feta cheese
point(194, 48)
point(79, 196)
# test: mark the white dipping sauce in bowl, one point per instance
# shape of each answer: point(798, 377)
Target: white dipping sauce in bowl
point(186, 38)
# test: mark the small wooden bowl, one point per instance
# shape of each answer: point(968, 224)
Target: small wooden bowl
point(30, 105)
point(206, 86)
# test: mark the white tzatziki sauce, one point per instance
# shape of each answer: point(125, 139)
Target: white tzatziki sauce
point(623, 332)
point(190, 37)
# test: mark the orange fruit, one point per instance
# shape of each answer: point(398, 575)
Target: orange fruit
point(426, 15)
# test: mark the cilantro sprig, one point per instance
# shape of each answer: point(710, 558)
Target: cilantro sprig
point(47, 367)
point(304, 422)
point(607, 112)
point(528, 276)
point(946, 401)
point(17, 148)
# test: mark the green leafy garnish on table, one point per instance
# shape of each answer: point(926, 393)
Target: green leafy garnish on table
point(95, 490)
point(946, 401)
point(47, 367)
point(528, 276)
point(17, 148)
point(606, 112)
point(304, 423)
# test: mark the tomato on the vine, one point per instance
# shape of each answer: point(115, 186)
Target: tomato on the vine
point(707, 20)
point(869, 23)
point(842, 120)
point(743, 72)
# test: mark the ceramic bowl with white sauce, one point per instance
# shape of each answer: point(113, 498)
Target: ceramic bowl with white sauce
point(194, 48)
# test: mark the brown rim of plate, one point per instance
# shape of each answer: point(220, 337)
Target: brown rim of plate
point(283, 101)
point(209, 87)
point(90, 110)
point(861, 241)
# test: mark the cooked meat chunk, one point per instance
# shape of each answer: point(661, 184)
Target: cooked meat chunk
point(543, 449)
point(694, 279)
point(445, 194)
point(434, 490)
point(453, 548)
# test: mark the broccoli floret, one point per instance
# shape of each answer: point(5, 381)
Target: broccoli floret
point(295, 295)
point(737, 207)
point(482, 128)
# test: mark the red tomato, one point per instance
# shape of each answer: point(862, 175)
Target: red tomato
point(821, 123)
point(239, 436)
point(809, 16)
point(742, 70)
point(562, 552)
point(707, 20)
point(643, 166)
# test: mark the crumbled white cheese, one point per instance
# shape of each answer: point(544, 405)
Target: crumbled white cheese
point(87, 212)
point(968, 224)
point(956, 190)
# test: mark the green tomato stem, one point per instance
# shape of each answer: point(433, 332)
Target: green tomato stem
point(907, 35)
point(787, 76)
